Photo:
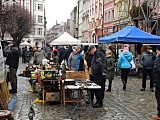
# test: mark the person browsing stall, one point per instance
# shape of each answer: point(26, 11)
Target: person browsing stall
point(12, 60)
point(98, 68)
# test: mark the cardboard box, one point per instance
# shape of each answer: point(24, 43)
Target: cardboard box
point(49, 74)
point(52, 96)
point(76, 75)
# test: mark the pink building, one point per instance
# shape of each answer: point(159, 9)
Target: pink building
point(95, 20)
point(108, 17)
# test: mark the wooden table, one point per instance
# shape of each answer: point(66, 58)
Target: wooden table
point(80, 87)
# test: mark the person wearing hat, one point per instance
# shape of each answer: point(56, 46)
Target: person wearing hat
point(12, 60)
point(72, 60)
point(38, 56)
point(147, 60)
point(156, 78)
point(99, 71)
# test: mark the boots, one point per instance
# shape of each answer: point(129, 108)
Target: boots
point(109, 86)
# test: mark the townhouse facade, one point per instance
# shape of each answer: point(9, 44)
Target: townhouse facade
point(79, 19)
point(108, 17)
point(85, 22)
point(95, 20)
point(73, 30)
point(121, 14)
point(57, 30)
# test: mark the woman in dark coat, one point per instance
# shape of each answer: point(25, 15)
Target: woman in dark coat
point(110, 68)
point(156, 78)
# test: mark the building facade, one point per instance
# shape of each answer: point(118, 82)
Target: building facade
point(95, 20)
point(57, 30)
point(121, 14)
point(37, 11)
point(73, 20)
point(79, 19)
point(108, 17)
point(85, 22)
point(38, 36)
point(52, 33)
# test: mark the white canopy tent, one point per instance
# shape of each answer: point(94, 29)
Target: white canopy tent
point(25, 43)
point(65, 39)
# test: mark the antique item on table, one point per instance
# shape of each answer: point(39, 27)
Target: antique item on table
point(69, 82)
point(49, 74)
point(33, 75)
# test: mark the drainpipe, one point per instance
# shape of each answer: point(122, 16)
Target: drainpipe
point(103, 18)
point(78, 21)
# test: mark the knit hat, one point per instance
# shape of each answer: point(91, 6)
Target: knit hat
point(158, 47)
point(90, 48)
point(149, 47)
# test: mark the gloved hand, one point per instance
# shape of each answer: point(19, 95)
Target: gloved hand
point(104, 74)
point(98, 60)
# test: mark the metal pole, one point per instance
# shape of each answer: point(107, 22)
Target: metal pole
point(103, 18)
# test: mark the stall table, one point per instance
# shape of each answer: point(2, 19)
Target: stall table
point(80, 86)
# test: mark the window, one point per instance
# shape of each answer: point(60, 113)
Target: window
point(40, 19)
point(109, 16)
point(40, 7)
point(105, 17)
point(34, 17)
point(27, 6)
point(112, 15)
point(34, 32)
point(39, 31)
point(34, 6)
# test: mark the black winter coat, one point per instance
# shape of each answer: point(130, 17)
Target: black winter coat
point(147, 59)
point(156, 72)
point(13, 56)
point(67, 53)
point(98, 65)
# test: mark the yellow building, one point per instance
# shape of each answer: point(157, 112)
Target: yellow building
point(121, 14)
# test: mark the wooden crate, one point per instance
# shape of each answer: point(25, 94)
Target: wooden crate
point(5, 97)
point(52, 96)
point(76, 75)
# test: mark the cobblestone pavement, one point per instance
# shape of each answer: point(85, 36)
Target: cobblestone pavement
point(131, 104)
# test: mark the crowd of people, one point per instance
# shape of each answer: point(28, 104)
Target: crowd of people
point(98, 62)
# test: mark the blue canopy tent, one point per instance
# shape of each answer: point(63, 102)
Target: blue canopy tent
point(131, 34)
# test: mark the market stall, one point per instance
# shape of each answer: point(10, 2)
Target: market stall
point(130, 35)
point(65, 39)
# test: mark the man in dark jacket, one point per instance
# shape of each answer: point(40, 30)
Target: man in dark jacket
point(67, 53)
point(147, 60)
point(47, 49)
point(12, 60)
point(98, 68)
point(156, 78)
point(61, 53)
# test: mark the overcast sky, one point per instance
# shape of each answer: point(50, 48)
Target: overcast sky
point(58, 10)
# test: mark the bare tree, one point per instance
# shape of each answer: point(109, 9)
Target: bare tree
point(16, 21)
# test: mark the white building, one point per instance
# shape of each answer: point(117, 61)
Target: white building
point(37, 10)
point(79, 18)
point(85, 21)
